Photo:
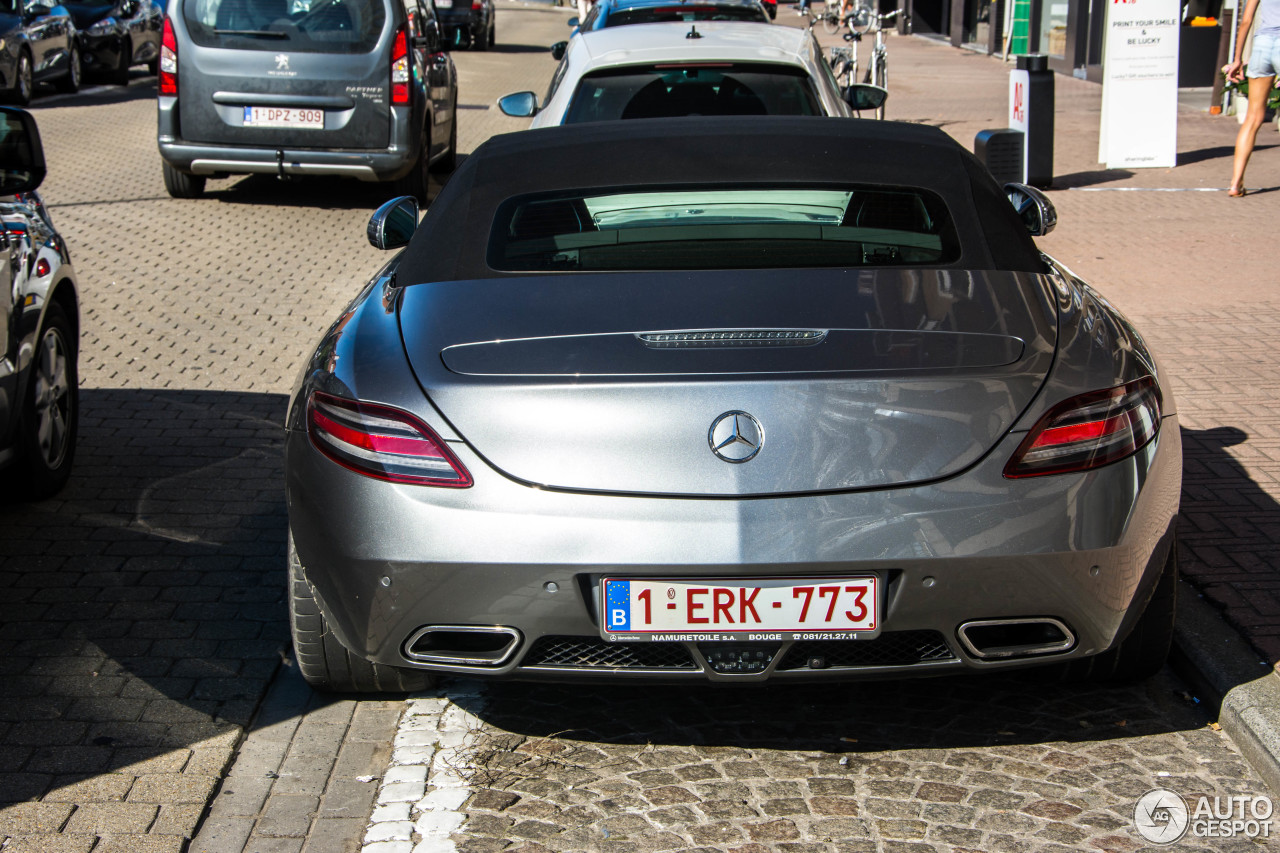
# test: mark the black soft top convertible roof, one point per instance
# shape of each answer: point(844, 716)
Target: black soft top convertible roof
point(451, 243)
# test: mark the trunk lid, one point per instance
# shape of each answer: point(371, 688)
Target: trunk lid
point(612, 382)
point(333, 57)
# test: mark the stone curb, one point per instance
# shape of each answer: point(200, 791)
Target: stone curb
point(1224, 669)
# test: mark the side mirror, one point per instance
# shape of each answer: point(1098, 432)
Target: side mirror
point(38, 10)
point(519, 105)
point(573, 22)
point(22, 166)
point(1034, 208)
point(393, 224)
point(558, 49)
point(861, 96)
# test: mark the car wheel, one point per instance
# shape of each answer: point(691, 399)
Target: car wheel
point(1141, 654)
point(51, 409)
point(416, 183)
point(324, 662)
point(71, 82)
point(480, 41)
point(120, 74)
point(23, 84)
point(449, 162)
point(493, 34)
point(182, 185)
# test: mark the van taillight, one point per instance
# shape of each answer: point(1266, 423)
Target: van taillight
point(400, 68)
point(168, 80)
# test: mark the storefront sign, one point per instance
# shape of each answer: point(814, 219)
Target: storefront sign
point(1140, 85)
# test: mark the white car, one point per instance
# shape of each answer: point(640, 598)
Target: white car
point(678, 69)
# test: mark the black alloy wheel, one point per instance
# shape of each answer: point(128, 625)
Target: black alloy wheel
point(51, 409)
point(70, 83)
point(120, 74)
point(23, 83)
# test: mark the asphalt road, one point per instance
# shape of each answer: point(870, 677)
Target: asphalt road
point(142, 618)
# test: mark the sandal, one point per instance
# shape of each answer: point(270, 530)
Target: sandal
point(1243, 192)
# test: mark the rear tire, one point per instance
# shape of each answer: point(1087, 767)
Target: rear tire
point(480, 41)
point(50, 410)
point(120, 74)
point(71, 82)
point(323, 661)
point(1142, 654)
point(831, 22)
point(182, 185)
point(417, 183)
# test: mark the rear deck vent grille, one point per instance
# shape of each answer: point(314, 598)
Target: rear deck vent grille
point(734, 338)
point(594, 653)
point(892, 648)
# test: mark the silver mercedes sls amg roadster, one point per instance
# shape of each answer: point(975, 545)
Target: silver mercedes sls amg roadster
point(684, 399)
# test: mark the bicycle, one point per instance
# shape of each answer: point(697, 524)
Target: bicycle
point(835, 15)
point(878, 68)
point(844, 64)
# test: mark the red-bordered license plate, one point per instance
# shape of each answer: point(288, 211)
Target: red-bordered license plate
point(740, 609)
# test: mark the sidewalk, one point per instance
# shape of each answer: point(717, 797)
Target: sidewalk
point(1192, 269)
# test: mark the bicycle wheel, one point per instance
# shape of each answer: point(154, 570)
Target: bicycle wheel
point(831, 21)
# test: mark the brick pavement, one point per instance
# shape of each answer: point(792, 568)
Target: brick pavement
point(142, 615)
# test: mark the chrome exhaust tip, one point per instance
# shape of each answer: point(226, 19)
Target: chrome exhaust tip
point(462, 645)
point(1000, 639)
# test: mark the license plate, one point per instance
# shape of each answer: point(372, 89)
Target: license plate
point(741, 609)
point(283, 117)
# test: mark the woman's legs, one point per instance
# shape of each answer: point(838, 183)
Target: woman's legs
point(1259, 92)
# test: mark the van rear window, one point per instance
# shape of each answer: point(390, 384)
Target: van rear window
point(294, 26)
point(716, 228)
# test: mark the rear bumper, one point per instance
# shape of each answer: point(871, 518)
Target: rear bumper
point(388, 561)
point(203, 158)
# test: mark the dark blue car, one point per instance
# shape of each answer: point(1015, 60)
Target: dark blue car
point(37, 45)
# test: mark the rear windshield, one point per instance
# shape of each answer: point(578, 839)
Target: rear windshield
point(295, 26)
point(715, 228)
point(663, 14)
point(687, 89)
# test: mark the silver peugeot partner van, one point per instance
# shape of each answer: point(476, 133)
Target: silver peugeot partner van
point(358, 88)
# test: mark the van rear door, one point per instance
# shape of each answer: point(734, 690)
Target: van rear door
point(292, 74)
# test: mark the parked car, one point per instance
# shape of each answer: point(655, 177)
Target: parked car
point(616, 13)
point(115, 36)
point(37, 45)
point(658, 71)
point(471, 23)
point(354, 88)
point(651, 401)
point(39, 407)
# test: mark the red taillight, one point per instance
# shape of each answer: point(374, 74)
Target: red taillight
point(400, 68)
point(42, 268)
point(1090, 431)
point(476, 7)
point(382, 442)
point(168, 78)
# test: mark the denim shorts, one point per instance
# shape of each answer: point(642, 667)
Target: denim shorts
point(1265, 58)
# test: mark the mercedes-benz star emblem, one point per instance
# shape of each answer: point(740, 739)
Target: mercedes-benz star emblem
point(735, 437)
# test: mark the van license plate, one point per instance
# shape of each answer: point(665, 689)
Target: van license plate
point(283, 117)
point(822, 608)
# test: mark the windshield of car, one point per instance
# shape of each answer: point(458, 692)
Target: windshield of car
point(713, 228)
point(693, 88)
point(303, 26)
point(661, 14)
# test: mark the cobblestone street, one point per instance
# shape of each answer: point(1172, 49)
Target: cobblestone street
point(149, 701)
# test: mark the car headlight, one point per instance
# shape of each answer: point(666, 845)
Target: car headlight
point(102, 28)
